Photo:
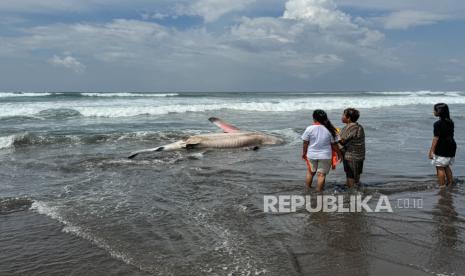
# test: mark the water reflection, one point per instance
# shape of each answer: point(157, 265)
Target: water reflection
point(340, 244)
point(445, 235)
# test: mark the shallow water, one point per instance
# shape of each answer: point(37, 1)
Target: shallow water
point(71, 200)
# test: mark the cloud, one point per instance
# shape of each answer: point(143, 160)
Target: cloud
point(308, 42)
point(306, 25)
point(43, 6)
point(212, 10)
point(323, 13)
point(310, 39)
point(409, 18)
point(454, 78)
point(68, 62)
point(117, 40)
point(155, 15)
point(454, 7)
point(455, 61)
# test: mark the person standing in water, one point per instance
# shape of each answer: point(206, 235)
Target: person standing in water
point(352, 141)
point(319, 140)
point(443, 147)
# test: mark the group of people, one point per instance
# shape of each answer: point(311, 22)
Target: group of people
point(324, 146)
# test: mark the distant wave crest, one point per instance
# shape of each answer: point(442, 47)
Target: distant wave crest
point(418, 93)
point(87, 94)
point(23, 94)
point(128, 94)
point(127, 107)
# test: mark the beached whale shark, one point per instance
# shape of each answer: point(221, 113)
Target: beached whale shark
point(232, 137)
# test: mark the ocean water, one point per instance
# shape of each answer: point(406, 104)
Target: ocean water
point(72, 203)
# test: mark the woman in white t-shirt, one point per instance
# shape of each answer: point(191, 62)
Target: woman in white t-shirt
point(319, 143)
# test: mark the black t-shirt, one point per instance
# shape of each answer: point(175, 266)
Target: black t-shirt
point(446, 145)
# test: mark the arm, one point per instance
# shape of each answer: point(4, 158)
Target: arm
point(433, 147)
point(436, 134)
point(346, 135)
point(304, 149)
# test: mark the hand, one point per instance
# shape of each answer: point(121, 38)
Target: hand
point(304, 156)
point(339, 157)
point(430, 155)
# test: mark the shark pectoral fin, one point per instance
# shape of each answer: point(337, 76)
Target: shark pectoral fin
point(254, 148)
point(132, 155)
point(223, 125)
point(191, 146)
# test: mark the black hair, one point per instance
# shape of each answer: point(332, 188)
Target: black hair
point(352, 113)
point(321, 117)
point(442, 111)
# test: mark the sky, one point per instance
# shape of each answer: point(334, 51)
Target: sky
point(232, 45)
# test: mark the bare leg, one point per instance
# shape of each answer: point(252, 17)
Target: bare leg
point(321, 182)
point(309, 179)
point(357, 180)
point(350, 182)
point(441, 172)
point(450, 177)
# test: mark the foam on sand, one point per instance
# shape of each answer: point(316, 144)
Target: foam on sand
point(54, 213)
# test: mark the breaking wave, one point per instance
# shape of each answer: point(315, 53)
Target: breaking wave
point(128, 94)
point(418, 93)
point(7, 141)
point(87, 94)
point(24, 94)
point(119, 107)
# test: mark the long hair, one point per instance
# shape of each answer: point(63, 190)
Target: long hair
point(321, 117)
point(442, 111)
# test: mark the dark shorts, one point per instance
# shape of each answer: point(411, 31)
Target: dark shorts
point(353, 168)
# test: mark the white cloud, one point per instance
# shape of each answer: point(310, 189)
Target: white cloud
point(306, 25)
point(155, 15)
point(293, 44)
point(455, 61)
point(410, 18)
point(68, 62)
point(310, 39)
point(268, 30)
point(211, 10)
point(454, 78)
point(452, 7)
point(371, 37)
point(323, 13)
point(42, 6)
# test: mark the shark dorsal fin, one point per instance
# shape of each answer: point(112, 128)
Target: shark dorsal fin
point(223, 125)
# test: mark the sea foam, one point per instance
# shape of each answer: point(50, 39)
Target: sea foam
point(127, 94)
point(120, 107)
point(7, 141)
point(23, 94)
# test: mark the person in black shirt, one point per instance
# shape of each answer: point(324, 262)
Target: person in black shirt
point(443, 148)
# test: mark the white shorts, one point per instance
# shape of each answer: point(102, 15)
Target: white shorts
point(320, 165)
point(440, 161)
